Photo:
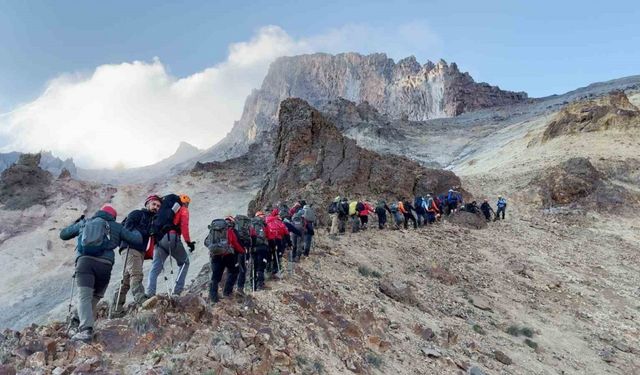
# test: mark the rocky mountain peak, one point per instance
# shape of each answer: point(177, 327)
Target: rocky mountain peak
point(403, 89)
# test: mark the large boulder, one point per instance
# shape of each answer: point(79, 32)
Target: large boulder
point(24, 184)
point(314, 160)
point(613, 111)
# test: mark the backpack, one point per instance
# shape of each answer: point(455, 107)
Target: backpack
point(393, 207)
point(261, 231)
point(360, 207)
point(309, 214)
point(333, 208)
point(163, 221)
point(243, 227)
point(452, 197)
point(284, 211)
point(298, 221)
point(352, 208)
point(216, 240)
point(343, 208)
point(94, 238)
point(380, 205)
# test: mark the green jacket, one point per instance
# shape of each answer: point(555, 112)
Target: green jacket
point(118, 234)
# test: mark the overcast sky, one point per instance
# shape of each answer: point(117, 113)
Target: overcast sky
point(127, 81)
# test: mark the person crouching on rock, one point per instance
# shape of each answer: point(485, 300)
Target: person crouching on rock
point(139, 220)
point(97, 237)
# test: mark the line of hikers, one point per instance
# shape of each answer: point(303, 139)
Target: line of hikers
point(236, 244)
point(421, 211)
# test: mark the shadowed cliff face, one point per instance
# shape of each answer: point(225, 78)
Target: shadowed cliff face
point(313, 159)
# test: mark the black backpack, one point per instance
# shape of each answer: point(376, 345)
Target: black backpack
point(163, 221)
point(284, 211)
point(216, 240)
point(243, 228)
point(333, 208)
point(359, 206)
point(260, 228)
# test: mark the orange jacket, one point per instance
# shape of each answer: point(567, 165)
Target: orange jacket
point(401, 208)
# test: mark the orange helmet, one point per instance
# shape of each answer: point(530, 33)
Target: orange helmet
point(184, 198)
point(260, 214)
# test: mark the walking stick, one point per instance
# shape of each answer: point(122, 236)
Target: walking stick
point(124, 269)
point(73, 284)
point(253, 274)
point(181, 269)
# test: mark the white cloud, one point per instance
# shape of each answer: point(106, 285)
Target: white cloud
point(136, 113)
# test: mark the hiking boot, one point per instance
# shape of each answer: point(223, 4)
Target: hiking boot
point(85, 336)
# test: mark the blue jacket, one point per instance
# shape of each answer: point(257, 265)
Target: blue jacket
point(117, 232)
point(501, 203)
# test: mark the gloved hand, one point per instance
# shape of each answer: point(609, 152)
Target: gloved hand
point(79, 219)
point(191, 245)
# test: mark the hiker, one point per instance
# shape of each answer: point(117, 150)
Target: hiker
point(275, 233)
point(296, 232)
point(353, 216)
point(224, 248)
point(441, 202)
point(486, 209)
point(343, 215)
point(139, 220)
point(408, 214)
point(243, 232)
point(452, 201)
point(364, 214)
point(381, 211)
point(260, 249)
point(472, 207)
point(309, 216)
point(432, 209)
point(297, 207)
point(502, 207)
point(171, 222)
point(334, 213)
point(397, 214)
point(420, 206)
point(97, 237)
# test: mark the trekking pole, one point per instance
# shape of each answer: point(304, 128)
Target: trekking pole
point(171, 262)
point(73, 284)
point(181, 269)
point(253, 274)
point(277, 263)
point(290, 262)
point(124, 269)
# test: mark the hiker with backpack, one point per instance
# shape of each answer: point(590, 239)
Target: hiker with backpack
point(486, 209)
point(381, 211)
point(170, 223)
point(276, 231)
point(398, 217)
point(502, 207)
point(353, 215)
point(363, 213)
point(243, 232)
point(408, 214)
point(224, 249)
point(333, 212)
point(309, 217)
point(432, 208)
point(260, 249)
point(343, 214)
point(139, 220)
point(97, 238)
point(452, 201)
point(420, 206)
point(296, 231)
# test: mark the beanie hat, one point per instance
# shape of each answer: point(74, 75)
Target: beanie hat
point(152, 197)
point(110, 210)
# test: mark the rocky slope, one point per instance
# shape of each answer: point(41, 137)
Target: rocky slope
point(404, 89)
point(48, 162)
point(314, 160)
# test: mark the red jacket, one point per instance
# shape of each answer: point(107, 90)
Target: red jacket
point(181, 219)
point(276, 230)
point(368, 208)
point(233, 241)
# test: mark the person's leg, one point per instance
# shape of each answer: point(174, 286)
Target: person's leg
point(159, 256)
point(102, 276)
point(406, 221)
point(295, 240)
point(242, 271)
point(504, 210)
point(260, 262)
point(334, 224)
point(230, 262)
point(134, 268)
point(182, 260)
point(120, 295)
point(85, 280)
point(279, 253)
point(217, 267)
point(415, 222)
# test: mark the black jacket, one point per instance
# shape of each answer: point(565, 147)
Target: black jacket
point(139, 220)
point(486, 207)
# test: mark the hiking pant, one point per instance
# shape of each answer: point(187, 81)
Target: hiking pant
point(218, 264)
point(275, 255)
point(132, 279)
point(308, 236)
point(382, 218)
point(355, 224)
point(431, 217)
point(334, 224)
point(409, 216)
point(398, 218)
point(242, 261)
point(452, 206)
point(342, 223)
point(487, 214)
point(169, 245)
point(92, 278)
point(259, 264)
point(364, 220)
point(297, 243)
point(500, 209)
